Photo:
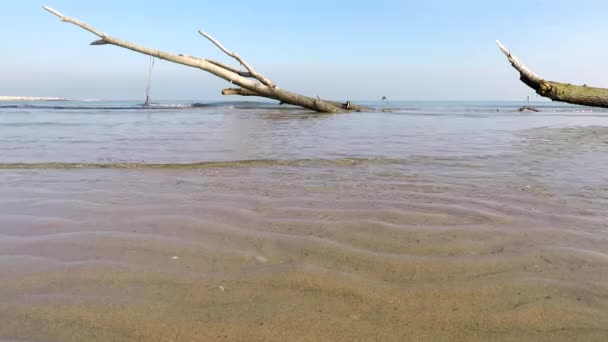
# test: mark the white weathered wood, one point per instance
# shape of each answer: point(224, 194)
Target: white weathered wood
point(263, 90)
point(75, 22)
point(228, 67)
point(518, 65)
point(222, 65)
point(232, 54)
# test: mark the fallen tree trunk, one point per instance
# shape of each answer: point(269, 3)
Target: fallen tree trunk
point(580, 95)
point(251, 82)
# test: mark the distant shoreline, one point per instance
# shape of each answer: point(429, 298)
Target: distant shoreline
point(30, 98)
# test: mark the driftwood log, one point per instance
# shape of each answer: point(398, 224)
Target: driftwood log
point(249, 82)
point(581, 95)
point(527, 109)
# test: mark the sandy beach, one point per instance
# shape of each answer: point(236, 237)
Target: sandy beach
point(264, 254)
point(387, 171)
point(468, 237)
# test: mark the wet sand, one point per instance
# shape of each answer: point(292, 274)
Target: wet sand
point(374, 251)
point(434, 222)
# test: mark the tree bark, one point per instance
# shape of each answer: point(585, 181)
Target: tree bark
point(580, 95)
point(251, 82)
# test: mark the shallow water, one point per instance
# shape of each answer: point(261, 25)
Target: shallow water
point(434, 221)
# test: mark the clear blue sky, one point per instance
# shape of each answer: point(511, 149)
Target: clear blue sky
point(409, 50)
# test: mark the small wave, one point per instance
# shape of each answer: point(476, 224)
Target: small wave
point(160, 105)
point(201, 165)
point(101, 105)
point(44, 124)
point(93, 107)
point(243, 105)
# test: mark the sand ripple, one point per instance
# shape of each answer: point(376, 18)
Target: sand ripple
point(267, 252)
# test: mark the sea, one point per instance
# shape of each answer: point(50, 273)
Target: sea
point(246, 221)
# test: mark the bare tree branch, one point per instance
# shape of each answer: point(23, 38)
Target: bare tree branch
point(75, 22)
point(264, 90)
point(232, 54)
point(228, 67)
point(239, 91)
point(346, 105)
point(582, 95)
point(523, 70)
point(221, 65)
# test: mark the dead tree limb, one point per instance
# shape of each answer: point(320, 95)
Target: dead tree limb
point(221, 65)
point(251, 82)
point(239, 91)
point(232, 54)
point(228, 67)
point(581, 95)
point(527, 109)
point(245, 92)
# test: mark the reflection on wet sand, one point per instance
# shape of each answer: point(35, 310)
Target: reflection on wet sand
point(299, 252)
